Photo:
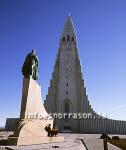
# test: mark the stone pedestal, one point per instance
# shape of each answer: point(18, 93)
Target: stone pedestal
point(33, 118)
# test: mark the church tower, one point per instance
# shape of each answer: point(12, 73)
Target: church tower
point(67, 92)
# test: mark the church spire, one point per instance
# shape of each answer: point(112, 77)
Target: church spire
point(68, 29)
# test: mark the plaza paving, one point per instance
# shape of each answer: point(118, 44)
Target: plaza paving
point(72, 142)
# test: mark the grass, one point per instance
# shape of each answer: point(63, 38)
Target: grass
point(121, 143)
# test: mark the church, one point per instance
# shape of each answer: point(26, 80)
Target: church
point(67, 91)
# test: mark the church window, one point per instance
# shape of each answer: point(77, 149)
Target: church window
point(68, 38)
point(66, 107)
point(63, 39)
point(67, 76)
point(67, 84)
point(67, 69)
point(67, 92)
point(72, 38)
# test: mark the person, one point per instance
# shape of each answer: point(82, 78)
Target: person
point(48, 129)
point(55, 131)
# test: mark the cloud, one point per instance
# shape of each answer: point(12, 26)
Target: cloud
point(119, 107)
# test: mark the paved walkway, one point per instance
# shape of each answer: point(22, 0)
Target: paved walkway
point(97, 144)
point(72, 142)
point(93, 142)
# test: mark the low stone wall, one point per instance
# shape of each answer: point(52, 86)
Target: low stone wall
point(100, 126)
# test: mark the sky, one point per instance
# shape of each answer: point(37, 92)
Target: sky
point(37, 24)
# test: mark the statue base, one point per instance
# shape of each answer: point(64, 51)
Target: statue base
point(30, 129)
point(20, 141)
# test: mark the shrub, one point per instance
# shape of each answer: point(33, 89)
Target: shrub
point(105, 136)
point(115, 138)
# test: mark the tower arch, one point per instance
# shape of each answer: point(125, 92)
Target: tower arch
point(67, 106)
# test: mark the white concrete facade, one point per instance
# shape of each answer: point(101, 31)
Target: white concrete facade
point(67, 92)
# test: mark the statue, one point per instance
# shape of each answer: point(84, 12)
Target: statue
point(30, 66)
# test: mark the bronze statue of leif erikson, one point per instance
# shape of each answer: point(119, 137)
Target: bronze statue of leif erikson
point(30, 66)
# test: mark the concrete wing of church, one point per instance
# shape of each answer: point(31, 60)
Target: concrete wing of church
point(67, 91)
